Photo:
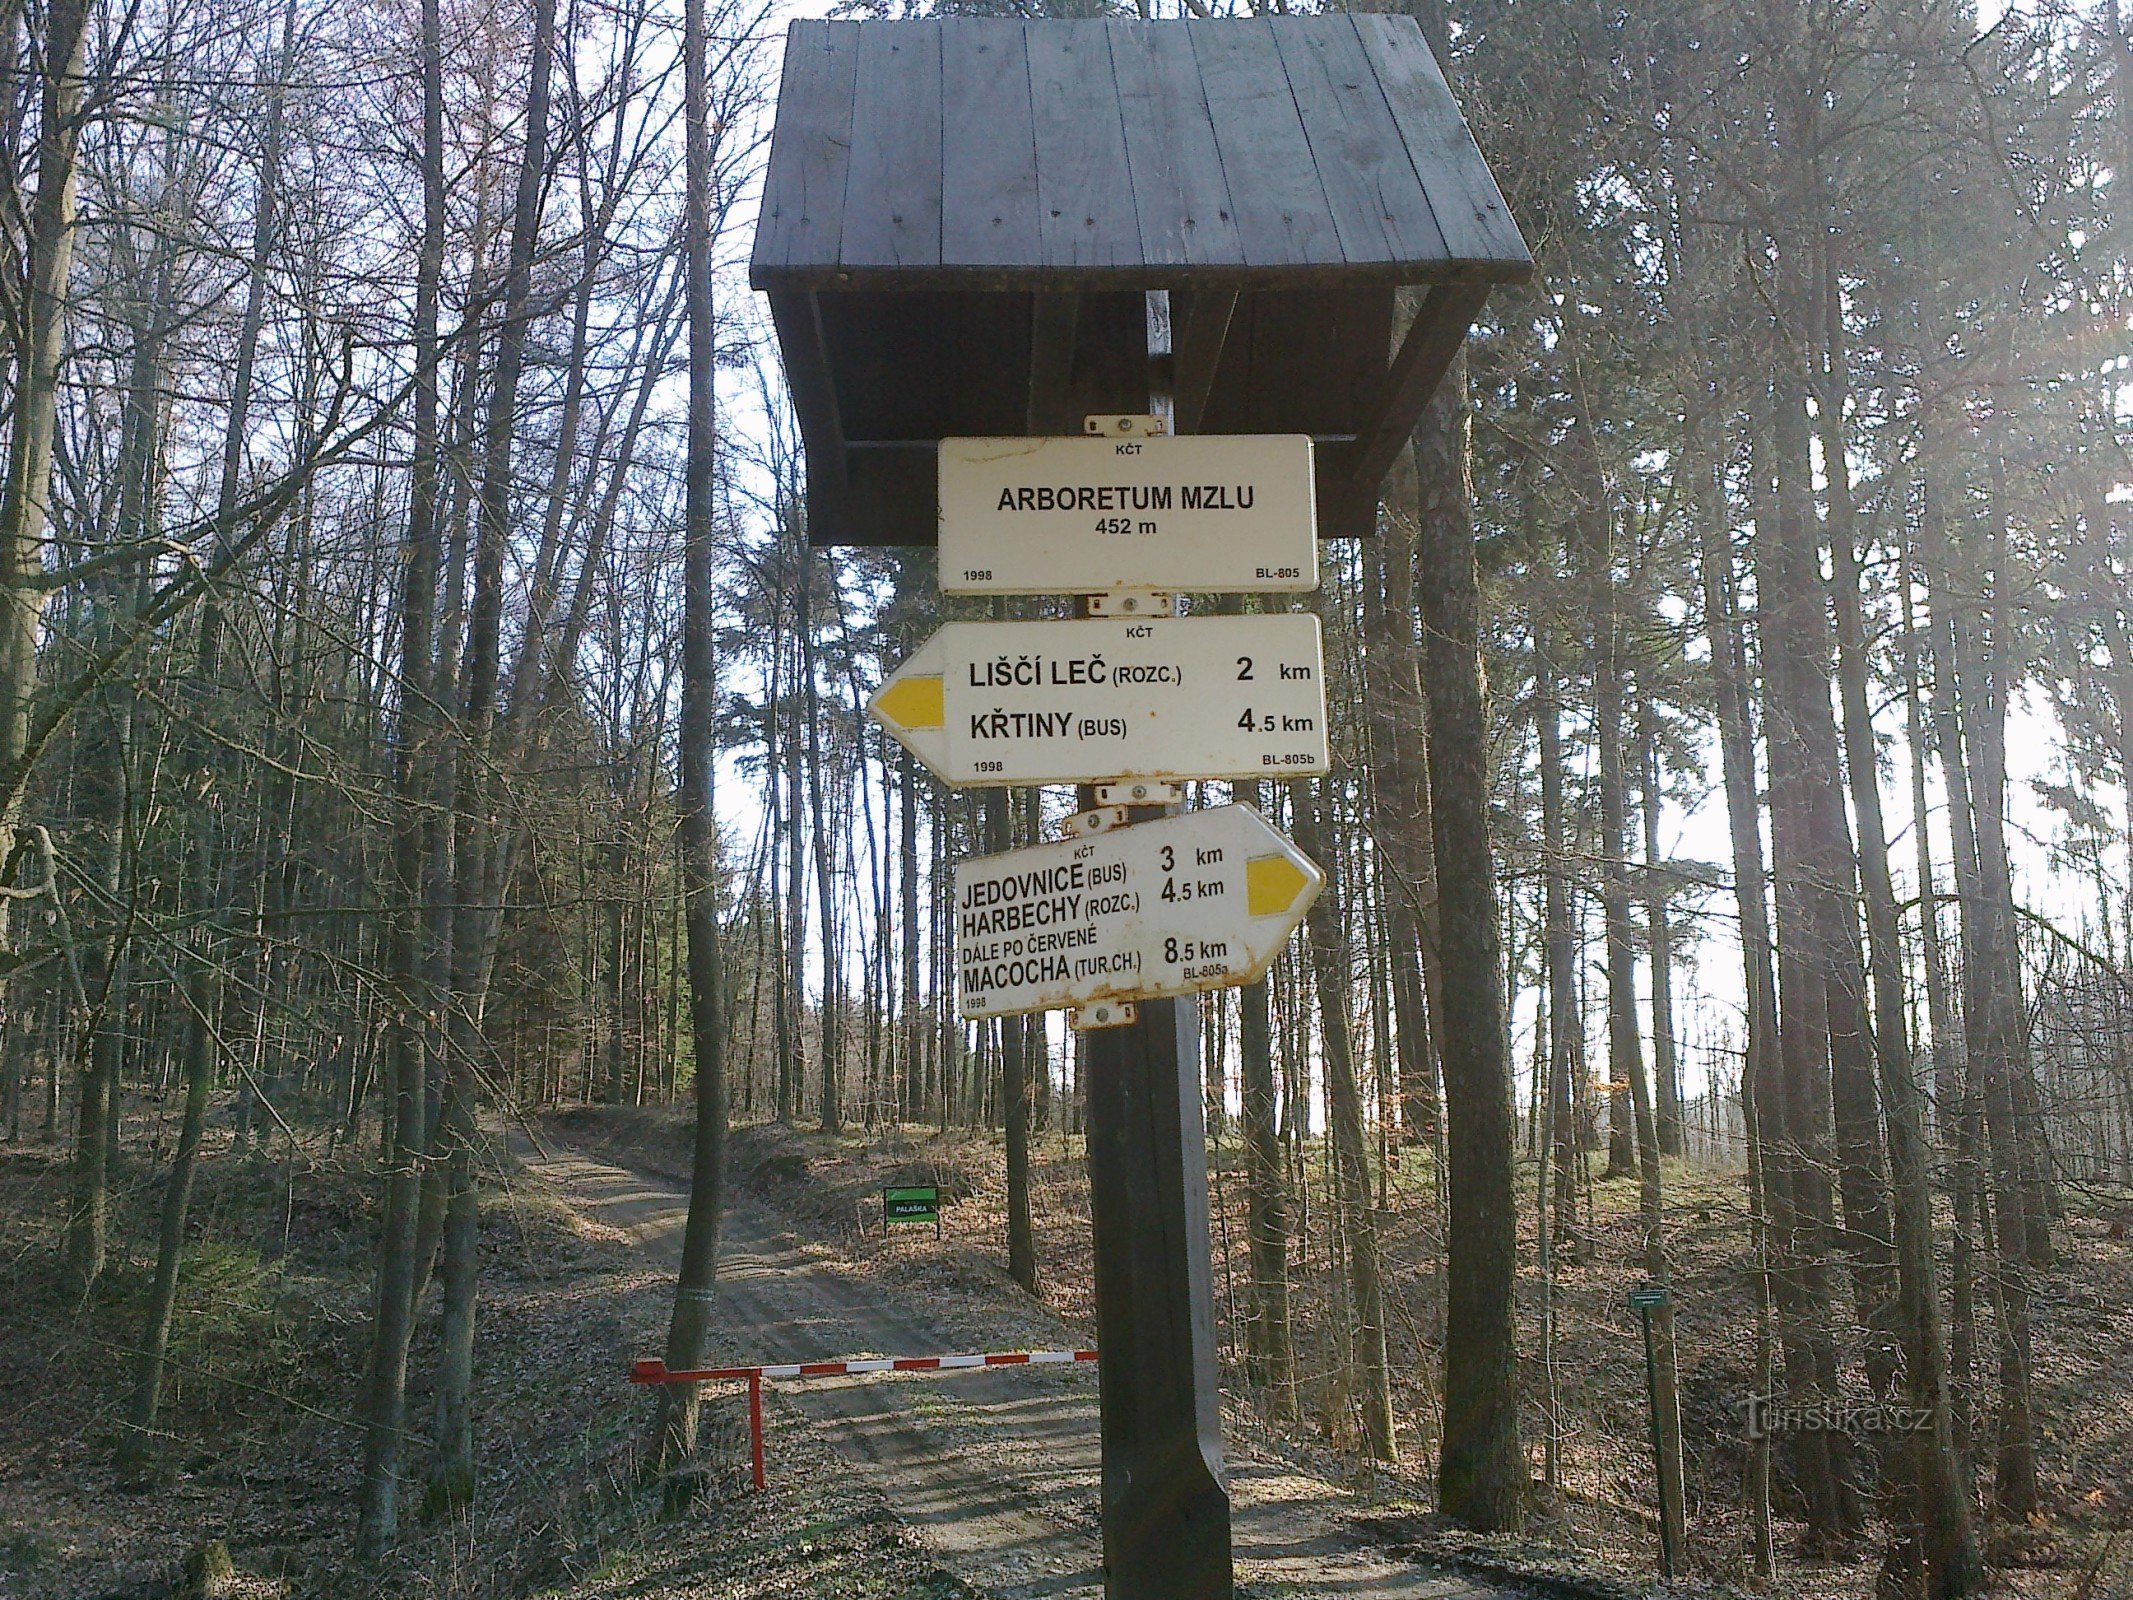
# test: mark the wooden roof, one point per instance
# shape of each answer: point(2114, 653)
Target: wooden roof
point(974, 226)
point(1262, 151)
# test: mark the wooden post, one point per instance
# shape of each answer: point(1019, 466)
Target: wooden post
point(1665, 1429)
point(1166, 1515)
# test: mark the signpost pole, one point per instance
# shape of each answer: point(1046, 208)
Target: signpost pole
point(1646, 1300)
point(1166, 1513)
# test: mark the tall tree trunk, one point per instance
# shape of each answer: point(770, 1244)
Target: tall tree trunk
point(1481, 1475)
point(1631, 1092)
point(25, 512)
point(1801, 1156)
point(832, 1015)
point(1351, 1162)
point(1931, 1522)
point(1659, 931)
point(1400, 812)
point(412, 1019)
point(1992, 1020)
point(112, 773)
point(204, 980)
point(1558, 936)
point(689, 1330)
point(783, 868)
point(1666, 1377)
point(1950, 1072)
point(1595, 530)
point(1829, 872)
point(24, 519)
point(478, 917)
point(1770, 1195)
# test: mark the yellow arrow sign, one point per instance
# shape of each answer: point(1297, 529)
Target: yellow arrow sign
point(1272, 884)
point(1098, 699)
point(1204, 900)
point(912, 702)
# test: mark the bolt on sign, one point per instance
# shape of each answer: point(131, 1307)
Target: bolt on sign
point(994, 703)
point(1205, 900)
point(1206, 513)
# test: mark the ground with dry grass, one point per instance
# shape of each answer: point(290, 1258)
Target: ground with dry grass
point(1596, 1522)
point(259, 1446)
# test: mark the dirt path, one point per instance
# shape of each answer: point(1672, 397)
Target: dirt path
point(995, 1469)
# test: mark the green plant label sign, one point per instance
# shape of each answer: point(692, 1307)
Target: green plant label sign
point(1648, 1298)
point(922, 1204)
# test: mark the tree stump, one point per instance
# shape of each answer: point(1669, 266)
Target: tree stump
point(721, 1468)
point(208, 1574)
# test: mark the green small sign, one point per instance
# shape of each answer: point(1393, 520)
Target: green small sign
point(920, 1203)
point(1648, 1298)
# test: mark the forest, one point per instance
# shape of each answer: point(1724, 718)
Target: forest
point(429, 735)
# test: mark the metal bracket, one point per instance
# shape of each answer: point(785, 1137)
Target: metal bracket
point(1103, 1014)
point(1140, 792)
point(1134, 603)
point(1101, 820)
point(1129, 425)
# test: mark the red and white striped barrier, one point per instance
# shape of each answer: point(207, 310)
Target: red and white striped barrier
point(653, 1370)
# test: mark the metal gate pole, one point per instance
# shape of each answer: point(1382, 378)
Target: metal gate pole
point(1166, 1514)
point(755, 1432)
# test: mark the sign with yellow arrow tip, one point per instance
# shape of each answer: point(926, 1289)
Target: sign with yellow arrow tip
point(1205, 900)
point(1093, 700)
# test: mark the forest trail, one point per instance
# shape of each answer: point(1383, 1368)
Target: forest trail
point(996, 1470)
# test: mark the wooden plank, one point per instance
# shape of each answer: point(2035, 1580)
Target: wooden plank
point(924, 364)
point(1051, 363)
point(802, 216)
point(1342, 513)
point(1305, 361)
point(889, 355)
point(797, 315)
point(1377, 203)
point(1110, 356)
point(1196, 343)
point(988, 146)
point(890, 502)
point(892, 196)
point(1180, 196)
point(1469, 209)
point(1308, 359)
point(1085, 213)
point(1280, 205)
point(898, 480)
point(1440, 327)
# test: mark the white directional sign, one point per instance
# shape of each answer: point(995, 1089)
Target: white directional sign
point(1203, 513)
point(986, 703)
point(1200, 901)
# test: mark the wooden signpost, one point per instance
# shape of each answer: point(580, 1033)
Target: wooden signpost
point(977, 232)
point(1137, 909)
point(1646, 1299)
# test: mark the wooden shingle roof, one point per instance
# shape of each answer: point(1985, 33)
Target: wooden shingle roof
point(1268, 151)
point(982, 227)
